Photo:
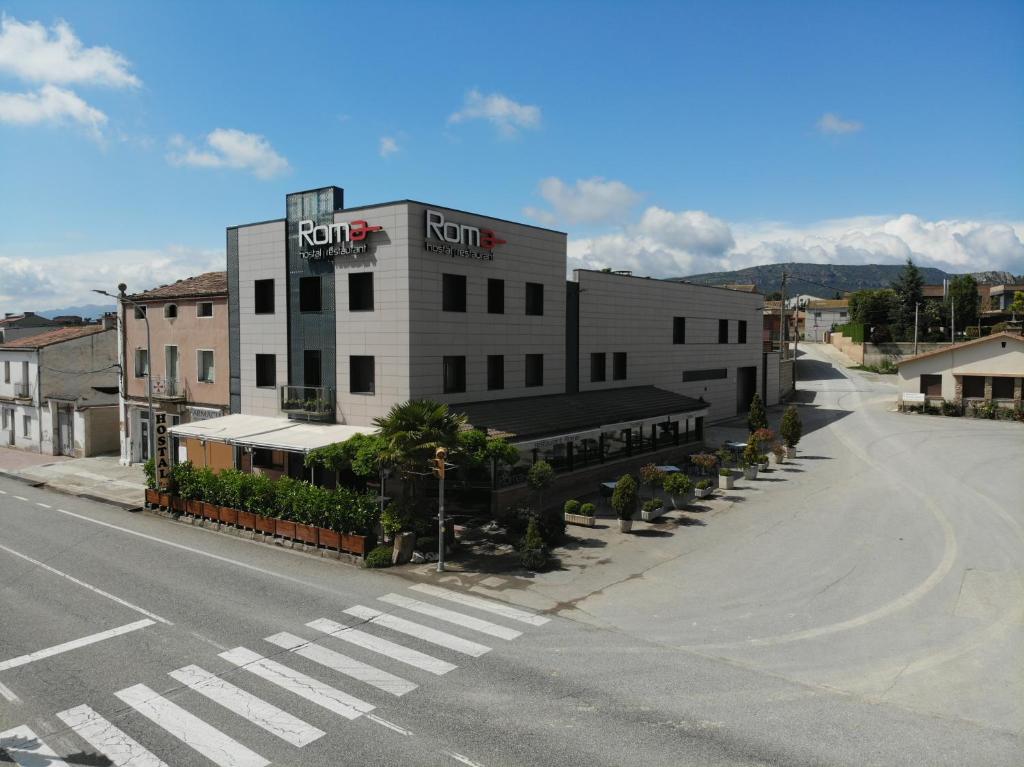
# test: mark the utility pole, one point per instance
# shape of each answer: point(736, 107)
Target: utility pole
point(440, 457)
point(782, 319)
point(917, 304)
point(796, 336)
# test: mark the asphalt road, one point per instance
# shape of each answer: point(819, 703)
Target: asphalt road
point(866, 611)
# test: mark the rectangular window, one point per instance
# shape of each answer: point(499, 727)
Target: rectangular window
point(360, 375)
point(495, 371)
point(266, 371)
point(534, 369)
point(311, 367)
point(598, 364)
point(262, 458)
point(170, 311)
point(679, 330)
point(723, 331)
point(204, 309)
point(360, 292)
point(931, 385)
point(1002, 387)
point(619, 366)
point(495, 296)
point(535, 298)
point(205, 365)
point(974, 386)
point(741, 332)
point(705, 375)
point(26, 426)
point(140, 312)
point(141, 363)
point(309, 295)
point(453, 371)
point(453, 290)
point(264, 296)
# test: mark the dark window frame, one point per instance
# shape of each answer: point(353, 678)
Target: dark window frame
point(359, 298)
point(620, 366)
point(723, 331)
point(741, 332)
point(306, 294)
point(1006, 382)
point(706, 374)
point(307, 357)
point(679, 330)
point(358, 367)
point(453, 374)
point(534, 374)
point(534, 299)
point(454, 291)
point(199, 310)
point(598, 361)
point(271, 360)
point(495, 296)
point(495, 372)
point(263, 302)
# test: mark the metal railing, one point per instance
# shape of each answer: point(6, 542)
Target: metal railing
point(167, 388)
point(311, 402)
point(21, 389)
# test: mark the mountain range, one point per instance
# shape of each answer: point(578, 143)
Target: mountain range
point(826, 280)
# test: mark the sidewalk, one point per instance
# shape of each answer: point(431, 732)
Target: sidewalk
point(100, 478)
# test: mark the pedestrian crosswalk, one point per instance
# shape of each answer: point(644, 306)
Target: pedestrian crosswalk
point(389, 640)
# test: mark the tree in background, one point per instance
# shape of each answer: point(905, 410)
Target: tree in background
point(1017, 307)
point(909, 290)
point(964, 301)
point(757, 418)
point(873, 308)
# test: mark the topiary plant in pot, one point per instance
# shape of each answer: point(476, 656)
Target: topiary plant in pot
point(726, 480)
point(533, 555)
point(704, 488)
point(678, 486)
point(791, 429)
point(651, 510)
point(624, 502)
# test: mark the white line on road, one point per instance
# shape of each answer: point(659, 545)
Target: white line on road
point(190, 730)
point(343, 664)
point(110, 741)
point(498, 608)
point(8, 694)
point(94, 589)
point(389, 725)
point(44, 505)
point(20, 498)
point(25, 748)
point(451, 616)
point(74, 644)
point(464, 759)
point(418, 630)
point(289, 728)
point(313, 690)
point(383, 646)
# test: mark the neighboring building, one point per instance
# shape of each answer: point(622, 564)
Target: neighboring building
point(58, 391)
point(987, 368)
point(338, 314)
point(15, 326)
point(823, 315)
point(772, 325)
point(742, 287)
point(188, 323)
point(1001, 296)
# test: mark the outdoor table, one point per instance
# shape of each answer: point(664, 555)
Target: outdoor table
point(607, 488)
point(668, 469)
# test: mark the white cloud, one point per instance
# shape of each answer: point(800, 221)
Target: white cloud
point(230, 148)
point(833, 124)
point(506, 115)
point(590, 200)
point(31, 53)
point(388, 146)
point(50, 104)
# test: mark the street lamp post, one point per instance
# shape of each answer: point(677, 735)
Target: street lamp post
point(122, 298)
point(917, 305)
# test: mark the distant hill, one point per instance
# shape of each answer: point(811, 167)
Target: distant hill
point(87, 311)
point(828, 279)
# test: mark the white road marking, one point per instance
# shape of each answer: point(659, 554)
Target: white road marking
point(3, 492)
point(451, 616)
point(464, 759)
point(25, 748)
point(343, 664)
point(391, 649)
point(110, 741)
point(418, 630)
point(91, 588)
point(272, 719)
point(307, 687)
point(44, 505)
point(389, 725)
point(498, 608)
point(190, 730)
point(8, 694)
point(21, 498)
point(74, 644)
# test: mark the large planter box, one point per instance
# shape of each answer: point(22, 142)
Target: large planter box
point(266, 525)
point(726, 482)
point(777, 459)
point(165, 500)
point(762, 467)
point(152, 497)
point(227, 515)
point(704, 492)
point(750, 472)
point(306, 533)
point(329, 539)
point(791, 452)
point(625, 525)
point(355, 544)
point(651, 516)
point(246, 519)
point(579, 519)
point(284, 528)
point(178, 503)
point(194, 507)
point(211, 511)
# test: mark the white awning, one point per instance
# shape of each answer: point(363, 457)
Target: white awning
point(230, 428)
point(268, 432)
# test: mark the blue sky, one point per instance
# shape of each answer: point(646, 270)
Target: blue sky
point(671, 138)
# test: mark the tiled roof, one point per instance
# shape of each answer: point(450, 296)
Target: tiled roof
point(832, 303)
point(209, 284)
point(957, 347)
point(51, 337)
point(743, 288)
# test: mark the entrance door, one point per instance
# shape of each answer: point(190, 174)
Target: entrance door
point(8, 425)
point(66, 431)
point(746, 385)
point(171, 368)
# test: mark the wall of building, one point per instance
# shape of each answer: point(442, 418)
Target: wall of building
point(818, 322)
point(773, 391)
point(635, 315)
point(785, 378)
point(96, 431)
point(985, 359)
point(72, 368)
point(14, 435)
point(848, 347)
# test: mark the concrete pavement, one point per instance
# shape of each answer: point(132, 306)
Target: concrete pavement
point(100, 477)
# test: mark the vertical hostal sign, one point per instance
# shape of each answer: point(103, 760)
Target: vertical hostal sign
point(163, 465)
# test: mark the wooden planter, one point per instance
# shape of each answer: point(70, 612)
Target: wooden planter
point(152, 497)
point(211, 511)
point(579, 519)
point(265, 525)
point(194, 507)
point(355, 544)
point(329, 539)
point(246, 519)
point(284, 529)
point(227, 515)
point(164, 500)
point(306, 533)
point(178, 503)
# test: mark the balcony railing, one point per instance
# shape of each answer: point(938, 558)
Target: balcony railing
point(21, 389)
point(167, 388)
point(314, 403)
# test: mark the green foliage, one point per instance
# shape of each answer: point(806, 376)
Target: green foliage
point(725, 472)
point(677, 485)
point(952, 408)
point(572, 506)
point(724, 456)
point(233, 488)
point(624, 497)
point(704, 484)
point(149, 469)
point(260, 497)
point(395, 519)
point(379, 557)
point(704, 461)
point(532, 554)
point(209, 486)
point(652, 505)
point(588, 510)
point(965, 303)
point(751, 453)
point(792, 427)
point(852, 330)
point(757, 418)
point(540, 475)
point(550, 522)
point(908, 289)
point(762, 436)
point(1017, 306)
point(477, 450)
point(869, 308)
point(183, 475)
point(361, 454)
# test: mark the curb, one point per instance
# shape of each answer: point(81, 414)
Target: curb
point(58, 489)
point(23, 480)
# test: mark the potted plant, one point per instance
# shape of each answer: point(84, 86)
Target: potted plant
point(573, 512)
point(704, 488)
point(706, 462)
point(532, 553)
point(726, 480)
point(791, 430)
point(678, 486)
point(651, 476)
point(624, 502)
point(750, 456)
point(778, 453)
point(725, 456)
point(652, 509)
point(152, 494)
point(762, 462)
point(757, 418)
point(182, 479)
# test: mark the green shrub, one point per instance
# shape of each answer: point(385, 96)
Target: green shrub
point(952, 408)
point(379, 557)
point(209, 486)
point(394, 520)
point(550, 522)
point(652, 505)
point(426, 543)
point(792, 427)
point(724, 456)
point(723, 472)
point(624, 497)
point(149, 469)
point(183, 475)
point(677, 485)
point(588, 509)
point(532, 554)
point(704, 484)
point(757, 418)
point(572, 506)
point(233, 488)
